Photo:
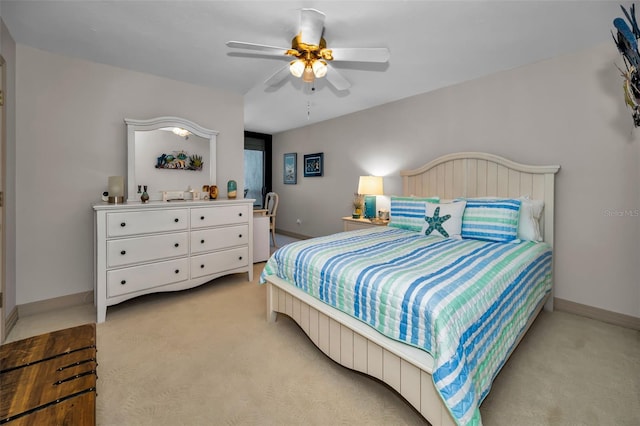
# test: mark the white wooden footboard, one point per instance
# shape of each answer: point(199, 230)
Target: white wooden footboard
point(357, 346)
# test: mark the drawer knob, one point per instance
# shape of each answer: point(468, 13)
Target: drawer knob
point(239, 257)
point(239, 235)
point(202, 266)
point(201, 241)
point(123, 282)
point(201, 217)
point(176, 245)
point(123, 252)
point(123, 224)
point(176, 220)
point(177, 271)
point(240, 214)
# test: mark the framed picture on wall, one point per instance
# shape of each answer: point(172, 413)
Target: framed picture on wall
point(313, 164)
point(290, 168)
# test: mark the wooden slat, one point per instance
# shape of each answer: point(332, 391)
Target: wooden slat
point(503, 181)
point(35, 348)
point(304, 317)
point(410, 383)
point(471, 178)
point(323, 333)
point(313, 325)
point(296, 310)
point(440, 179)
point(334, 340)
point(374, 360)
point(360, 354)
point(346, 346)
point(391, 369)
point(33, 386)
point(289, 305)
point(526, 184)
point(514, 184)
point(63, 413)
point(48, 374)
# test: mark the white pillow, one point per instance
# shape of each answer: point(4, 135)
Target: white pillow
point(444, 219)
point(530, 215)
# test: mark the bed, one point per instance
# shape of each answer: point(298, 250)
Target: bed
point(355, 294)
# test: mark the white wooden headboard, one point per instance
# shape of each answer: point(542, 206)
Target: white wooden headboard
point(478, 174)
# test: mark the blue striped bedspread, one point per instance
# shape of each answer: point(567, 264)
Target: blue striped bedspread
point(463, 301)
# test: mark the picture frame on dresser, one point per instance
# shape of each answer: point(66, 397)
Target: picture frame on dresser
point(290, 168)
point(314, 164)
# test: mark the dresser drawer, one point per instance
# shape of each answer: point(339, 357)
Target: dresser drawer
point(219, 215)
point(143, 249)
point(144, 222)
point(219, 238)
point(220, 261)
point(129, 280)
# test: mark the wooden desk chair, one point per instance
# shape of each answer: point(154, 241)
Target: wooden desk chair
point(271, 204)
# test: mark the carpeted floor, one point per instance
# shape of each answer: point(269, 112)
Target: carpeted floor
point(207, 356)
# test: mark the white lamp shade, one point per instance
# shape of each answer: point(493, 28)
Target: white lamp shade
point(370, 185)
point(319, 69)
point(116, 186)
point(297, 68)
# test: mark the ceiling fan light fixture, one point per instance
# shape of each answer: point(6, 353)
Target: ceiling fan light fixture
point(297, 68)
point(319, 69)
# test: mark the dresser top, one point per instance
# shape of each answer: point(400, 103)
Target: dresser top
point(137, 205)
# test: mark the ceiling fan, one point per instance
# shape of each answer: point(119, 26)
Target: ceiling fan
point(311, 57)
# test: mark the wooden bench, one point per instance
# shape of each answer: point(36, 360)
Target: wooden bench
point(50, 379)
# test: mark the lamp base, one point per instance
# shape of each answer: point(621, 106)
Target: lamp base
point(116, 200)
point(369, 206)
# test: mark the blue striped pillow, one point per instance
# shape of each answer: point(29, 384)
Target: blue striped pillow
point(491, 220)
point(409, 212)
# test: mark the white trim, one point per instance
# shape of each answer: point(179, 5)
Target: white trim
point(158, 123)
point(598, 314)
point(55, 303)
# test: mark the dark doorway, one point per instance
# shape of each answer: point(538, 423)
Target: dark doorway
point(257, 166)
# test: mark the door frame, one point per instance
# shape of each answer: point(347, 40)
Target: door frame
point(3, 171)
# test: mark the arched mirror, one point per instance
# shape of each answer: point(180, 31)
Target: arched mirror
point(169, 154)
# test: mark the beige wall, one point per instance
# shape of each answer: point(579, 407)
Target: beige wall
point(70, 136)
point(567, 111)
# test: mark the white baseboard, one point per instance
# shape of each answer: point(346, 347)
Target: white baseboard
point(292, 234)
point(603, 315)
point(62, 302)
point(55, 303)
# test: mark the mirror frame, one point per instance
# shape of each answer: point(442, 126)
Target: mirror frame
point(158, 123)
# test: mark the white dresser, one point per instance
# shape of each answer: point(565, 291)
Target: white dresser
point(168, 246)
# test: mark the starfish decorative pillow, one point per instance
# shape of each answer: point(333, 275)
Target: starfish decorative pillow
point(444, 219)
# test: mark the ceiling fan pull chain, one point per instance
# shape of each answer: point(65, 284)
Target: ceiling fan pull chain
point(308, 110)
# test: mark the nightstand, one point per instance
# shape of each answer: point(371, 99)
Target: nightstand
point(351, 224)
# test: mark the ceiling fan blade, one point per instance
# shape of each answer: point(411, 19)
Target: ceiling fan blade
point(363, 54)
point(278, 76)
point(272, 50)
point(311, 26)
point(336, 79)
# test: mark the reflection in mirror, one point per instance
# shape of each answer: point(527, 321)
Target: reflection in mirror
point(169, 154)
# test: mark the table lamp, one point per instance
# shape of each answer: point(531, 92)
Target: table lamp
point(370, 186)
point(116, 189)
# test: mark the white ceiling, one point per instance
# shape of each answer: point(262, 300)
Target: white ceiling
point(432, 43)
